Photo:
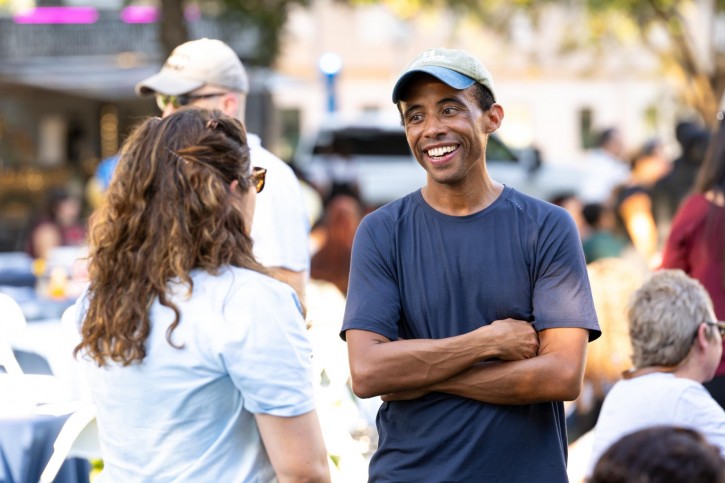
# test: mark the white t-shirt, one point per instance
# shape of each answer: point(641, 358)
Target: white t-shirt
point(187, 414)
point(603, 173)
point(657, 399)
point(281, 226)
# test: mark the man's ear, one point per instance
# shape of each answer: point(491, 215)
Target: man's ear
point(495, 117)
point(230, 104)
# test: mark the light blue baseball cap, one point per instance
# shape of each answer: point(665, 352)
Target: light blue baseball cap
point(456, 68)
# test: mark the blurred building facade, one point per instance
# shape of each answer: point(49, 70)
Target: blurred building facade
point(555, 96)
point(67, 100)
point(67, 96)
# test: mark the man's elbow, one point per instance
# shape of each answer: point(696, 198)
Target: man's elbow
point(363, 384)
point(568, 386)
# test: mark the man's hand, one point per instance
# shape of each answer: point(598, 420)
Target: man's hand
point(515, 339)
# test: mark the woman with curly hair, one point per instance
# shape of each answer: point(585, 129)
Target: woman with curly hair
point(198, 362)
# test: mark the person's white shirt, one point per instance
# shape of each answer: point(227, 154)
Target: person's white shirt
point(657, 399)
point(603, 173)
point(281, 225)
point(187, 413)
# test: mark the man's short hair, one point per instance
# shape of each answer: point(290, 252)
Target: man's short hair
point(195, 64)
point(664, 315)
point(483, 96)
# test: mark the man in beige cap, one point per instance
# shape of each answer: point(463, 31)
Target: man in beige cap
point(207, 73)
point(469, 307)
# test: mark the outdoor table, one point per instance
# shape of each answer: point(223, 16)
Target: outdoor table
point(26, 445)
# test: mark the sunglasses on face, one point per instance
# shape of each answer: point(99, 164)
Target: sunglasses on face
point(163, 100)
point(720, 326)
point(718, 323)
point(258, 177)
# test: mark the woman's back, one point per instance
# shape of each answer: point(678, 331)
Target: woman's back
point(198, 362)
point(186, 414)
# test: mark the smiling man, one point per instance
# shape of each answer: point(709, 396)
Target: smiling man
point(469, 307)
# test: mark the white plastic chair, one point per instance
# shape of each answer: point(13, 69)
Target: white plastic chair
point(77, 439)
point(12, 321)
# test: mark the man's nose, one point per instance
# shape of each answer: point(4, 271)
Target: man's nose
point(433, 127)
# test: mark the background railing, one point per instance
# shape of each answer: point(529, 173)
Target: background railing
point(110, 35)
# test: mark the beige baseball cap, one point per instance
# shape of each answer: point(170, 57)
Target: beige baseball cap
point(457, 68)
point(194, 64)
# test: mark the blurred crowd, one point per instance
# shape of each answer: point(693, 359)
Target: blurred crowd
point(638, 214)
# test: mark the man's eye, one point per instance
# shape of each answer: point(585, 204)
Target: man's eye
point(414, 118)
point(449, 110)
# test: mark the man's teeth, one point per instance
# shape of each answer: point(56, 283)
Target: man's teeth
point(441, 151)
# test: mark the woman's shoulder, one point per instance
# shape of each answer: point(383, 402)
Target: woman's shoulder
point(232, 275)
point(242, 287)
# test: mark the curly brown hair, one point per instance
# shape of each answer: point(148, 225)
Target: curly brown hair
point(168, 210)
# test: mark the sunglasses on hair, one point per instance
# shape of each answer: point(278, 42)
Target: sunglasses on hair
point(258, 177)
point(163, 100)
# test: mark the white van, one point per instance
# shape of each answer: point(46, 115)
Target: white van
point(377, 154)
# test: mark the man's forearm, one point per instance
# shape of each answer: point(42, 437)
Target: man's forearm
point(379, 366)
point(554, 375)
point(516, 382)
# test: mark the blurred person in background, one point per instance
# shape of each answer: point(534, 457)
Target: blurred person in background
point(97, 185)
point(633, 201)
point(207, 73)
point(59, 224)
point(331, 262)
point(605, 167)
point(613, 281)
point(197, 361)
point(603, 240)
point(696, 243)
point(670, 190)
point(661, 454)
point(676, 346)
point(572, 204)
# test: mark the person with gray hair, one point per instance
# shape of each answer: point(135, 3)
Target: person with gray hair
point(676, 346)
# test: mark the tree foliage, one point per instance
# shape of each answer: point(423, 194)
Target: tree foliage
point(693, 52)
point(268, 17)
point(682, 33)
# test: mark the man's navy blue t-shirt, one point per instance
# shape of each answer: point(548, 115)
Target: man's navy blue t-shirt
point(418, 273)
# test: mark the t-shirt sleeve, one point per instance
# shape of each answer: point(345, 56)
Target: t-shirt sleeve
point(562, 294)
point(269, 357)
point(373, 298)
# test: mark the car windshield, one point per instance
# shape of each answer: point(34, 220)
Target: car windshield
point(363, 142)
point(378, 142)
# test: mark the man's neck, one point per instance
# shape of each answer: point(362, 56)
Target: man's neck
point(472, 197)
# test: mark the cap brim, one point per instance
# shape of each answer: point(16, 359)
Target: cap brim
point(447, 76)
point(164, 83)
